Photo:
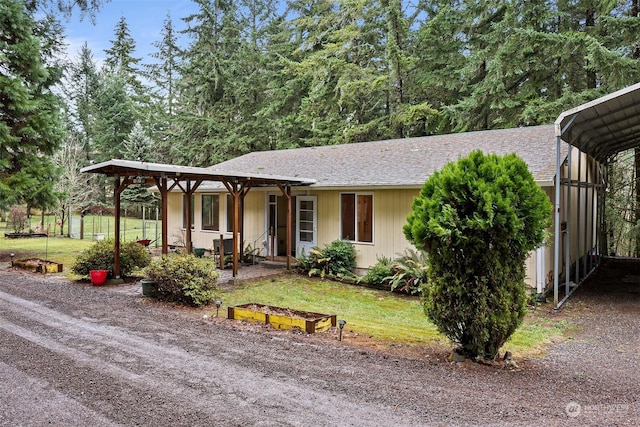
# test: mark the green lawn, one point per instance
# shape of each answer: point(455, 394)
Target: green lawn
point(64, 250)
point(388, 317)
point(382, 315)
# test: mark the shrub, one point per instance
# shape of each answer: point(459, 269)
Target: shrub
point(184, 278)
point(478, 218)
point(379, 273)
point(17, 219)
point(409, 272)
point(337, 259)
point(100, 256)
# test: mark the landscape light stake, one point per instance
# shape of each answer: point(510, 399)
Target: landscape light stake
point(12, 255)
point(341, 323)
point(218, 304)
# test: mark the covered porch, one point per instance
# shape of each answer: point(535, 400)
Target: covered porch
point(167, 178)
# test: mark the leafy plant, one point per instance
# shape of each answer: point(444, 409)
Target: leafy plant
point(100, 256)
point(379, 273)
point(184, 278)
point(337, 259)
point(409, 272)
point(478, 218)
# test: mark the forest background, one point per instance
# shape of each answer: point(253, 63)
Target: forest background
point(252, 75)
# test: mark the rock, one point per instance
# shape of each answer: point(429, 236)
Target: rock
point(456, 357)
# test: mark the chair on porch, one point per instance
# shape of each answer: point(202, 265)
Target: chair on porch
point(220, 257)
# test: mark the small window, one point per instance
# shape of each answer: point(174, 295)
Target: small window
point(356, 214)
point(211, 212)
point(184, 211)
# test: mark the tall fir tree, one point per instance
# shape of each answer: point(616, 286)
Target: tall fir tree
point(30, 125)
point(164, 74)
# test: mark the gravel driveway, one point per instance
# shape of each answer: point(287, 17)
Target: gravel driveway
point(73, 354)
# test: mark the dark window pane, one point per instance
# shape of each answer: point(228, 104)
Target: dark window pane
point(365, 218)
point(348, 217)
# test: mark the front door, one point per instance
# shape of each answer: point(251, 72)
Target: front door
point(307, 224)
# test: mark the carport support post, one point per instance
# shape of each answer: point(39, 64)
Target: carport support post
point(118, 187)
point(556, 249)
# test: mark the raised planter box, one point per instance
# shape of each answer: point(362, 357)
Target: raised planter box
point(39, 266)
point(24, 235)
point(282, 318)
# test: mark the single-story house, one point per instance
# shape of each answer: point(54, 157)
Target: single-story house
point(285, 202)
point(361, 192)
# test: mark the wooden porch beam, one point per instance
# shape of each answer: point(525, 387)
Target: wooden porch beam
point(286, 191)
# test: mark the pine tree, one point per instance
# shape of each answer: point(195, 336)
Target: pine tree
point(164, 74)
point(139, 147)
point(30, 127)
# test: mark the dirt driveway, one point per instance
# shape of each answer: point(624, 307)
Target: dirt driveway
point(73, 354)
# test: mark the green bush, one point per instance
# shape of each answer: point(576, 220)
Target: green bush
point(100, 256)
point(409, 272)
point(184, 278)
point(379, 273)
point(478, 219)
point(337, 259)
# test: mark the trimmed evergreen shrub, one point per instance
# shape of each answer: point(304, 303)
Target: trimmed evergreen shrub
point(478, 218)
point(184, 278)
point(100, 256)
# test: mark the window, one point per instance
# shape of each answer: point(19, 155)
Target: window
point(356, 214)
point(211, 212)
point(184, 211)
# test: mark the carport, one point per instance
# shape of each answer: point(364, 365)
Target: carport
point(187, 179)
point(598, 130)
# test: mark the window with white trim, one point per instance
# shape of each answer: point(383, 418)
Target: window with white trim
point(211, 212)
point(356, 217)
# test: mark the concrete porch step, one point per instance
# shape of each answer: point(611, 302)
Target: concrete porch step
point(276, 264)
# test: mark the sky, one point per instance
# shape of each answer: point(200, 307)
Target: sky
point(145, 19)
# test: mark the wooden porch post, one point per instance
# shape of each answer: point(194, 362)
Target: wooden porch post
point(234, 190)
point(286, 191)
point(118, 187)
point(162, 185)
point(188, 236)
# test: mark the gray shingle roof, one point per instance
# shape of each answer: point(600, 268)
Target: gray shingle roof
point(400, 162)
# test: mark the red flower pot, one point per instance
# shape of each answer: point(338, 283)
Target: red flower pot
point(98, 277)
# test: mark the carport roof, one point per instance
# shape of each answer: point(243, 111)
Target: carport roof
point(605, 126)
point(134, 168)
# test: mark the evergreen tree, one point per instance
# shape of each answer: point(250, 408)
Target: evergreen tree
point(204, 86)
point(30, 127)
point(164, 74)
point(115, 118)
point(138, 146)
point(120, 59)
point(81, 89)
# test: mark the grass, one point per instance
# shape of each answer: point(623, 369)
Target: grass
point(130, 228)
point(385, 316)
point(64, 250)
point(378, 314)
point(58, 249)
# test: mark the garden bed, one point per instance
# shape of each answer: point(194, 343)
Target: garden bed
point(38, 266)
point(282, 318)
point(23, 235)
